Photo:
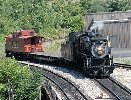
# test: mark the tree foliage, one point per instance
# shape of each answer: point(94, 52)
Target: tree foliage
point(48, 18)
point(52, 18)
point(21, 80)
point(118, 5)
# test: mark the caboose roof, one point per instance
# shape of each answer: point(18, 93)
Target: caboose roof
point(24, 34)
point(25, 37)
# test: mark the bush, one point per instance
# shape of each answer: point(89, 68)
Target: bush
point(22, 80)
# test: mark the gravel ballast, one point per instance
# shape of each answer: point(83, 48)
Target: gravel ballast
point(86, 85)
point(123, 75)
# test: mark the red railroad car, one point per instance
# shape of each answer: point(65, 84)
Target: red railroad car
point(23, 41)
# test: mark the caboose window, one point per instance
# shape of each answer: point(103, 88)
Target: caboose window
point(10, 43)
point(33, 41)
point(19, 34)
point(15, 44)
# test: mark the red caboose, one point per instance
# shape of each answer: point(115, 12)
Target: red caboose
point(23, 41)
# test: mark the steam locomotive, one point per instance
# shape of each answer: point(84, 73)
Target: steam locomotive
point(89, 50)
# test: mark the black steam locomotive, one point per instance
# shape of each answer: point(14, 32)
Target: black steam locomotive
point(90, 51)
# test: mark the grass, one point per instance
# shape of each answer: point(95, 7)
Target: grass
point(52, 46)
point(122, 60)
point(2, 50)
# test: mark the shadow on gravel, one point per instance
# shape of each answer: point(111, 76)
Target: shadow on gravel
point(76, 73)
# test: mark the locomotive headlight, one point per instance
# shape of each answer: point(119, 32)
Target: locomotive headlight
point(99, 50)
point(109, 43)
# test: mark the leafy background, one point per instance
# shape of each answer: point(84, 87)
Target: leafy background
point(52, 18)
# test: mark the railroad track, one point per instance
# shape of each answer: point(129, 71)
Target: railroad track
point(70, 90)
point(62, 94)
point(122, 65)
point(118, 91)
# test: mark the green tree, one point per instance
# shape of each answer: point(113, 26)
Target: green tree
point(92, 6)
point(118, 5)
point(52, 18)
point(98, 6)
point(22, 80)
point(85, 6)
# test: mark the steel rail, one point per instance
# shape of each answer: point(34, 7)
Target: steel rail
point(113, 93)
point(57, 86)
point(121, 92)
point(68, 82)
point(122, 65)
point(120, 85)
point(34, 65)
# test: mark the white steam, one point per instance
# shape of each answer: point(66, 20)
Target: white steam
point(97, 25)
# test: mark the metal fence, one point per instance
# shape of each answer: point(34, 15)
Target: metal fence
point(116, 23)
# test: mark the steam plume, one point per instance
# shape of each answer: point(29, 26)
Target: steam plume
point(97, 25)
